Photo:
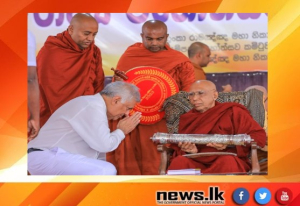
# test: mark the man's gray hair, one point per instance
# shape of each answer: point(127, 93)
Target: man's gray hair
point(125, 90)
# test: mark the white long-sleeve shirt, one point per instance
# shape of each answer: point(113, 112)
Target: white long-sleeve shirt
point(80, 126)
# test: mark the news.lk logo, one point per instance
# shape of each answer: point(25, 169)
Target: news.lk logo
point(284, 196)
point(262, 196)
point(214, 196)
point(241, 196)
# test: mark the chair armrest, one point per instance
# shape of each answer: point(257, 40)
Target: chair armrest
point(254, 158)
point(165, 158)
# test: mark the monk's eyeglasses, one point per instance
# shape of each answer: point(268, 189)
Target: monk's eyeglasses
point(200, 93)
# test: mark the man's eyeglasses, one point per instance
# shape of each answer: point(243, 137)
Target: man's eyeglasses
point(200, 93)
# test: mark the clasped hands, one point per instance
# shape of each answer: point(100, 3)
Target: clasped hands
point(192, 148)
point(128, 123)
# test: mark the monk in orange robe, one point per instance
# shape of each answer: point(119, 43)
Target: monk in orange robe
point(211, 117)
point(137, 154)
point(199, 55)
point(69, 65)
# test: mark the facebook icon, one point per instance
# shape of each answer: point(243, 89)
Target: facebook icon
point(241, 196)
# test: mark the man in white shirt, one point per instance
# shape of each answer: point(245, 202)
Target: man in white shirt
point(72, 140)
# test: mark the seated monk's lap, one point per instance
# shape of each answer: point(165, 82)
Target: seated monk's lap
point(223, 164)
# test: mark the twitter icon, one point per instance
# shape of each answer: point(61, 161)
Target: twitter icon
point(262, 196)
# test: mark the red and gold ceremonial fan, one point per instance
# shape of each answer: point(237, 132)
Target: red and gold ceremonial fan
point(155, 86)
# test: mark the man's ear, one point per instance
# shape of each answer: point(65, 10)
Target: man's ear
point(142, 35)
point(70, 29)
point(199, 55)
point(115, 100)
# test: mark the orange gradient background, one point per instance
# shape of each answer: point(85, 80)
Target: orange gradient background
point(284, 111)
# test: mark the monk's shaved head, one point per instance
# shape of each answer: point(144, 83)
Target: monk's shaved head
point(204, 83)
point(83, 29)
point(154, 35)
point(195, 48)
point(199, 54)
point(154, 24)
point(78, 18)
point(202, 95)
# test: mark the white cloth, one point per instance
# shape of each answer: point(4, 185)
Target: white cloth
point(56, 161)
point(31, 47)
point(78, 127)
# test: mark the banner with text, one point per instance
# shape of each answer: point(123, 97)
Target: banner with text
point(238, 41)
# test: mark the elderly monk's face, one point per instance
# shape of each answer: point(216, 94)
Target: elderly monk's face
point(154, 39)
point(83, 32)
point(117, 109)
point(202, 96)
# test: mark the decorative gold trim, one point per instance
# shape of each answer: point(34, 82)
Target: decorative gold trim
point(167, 78)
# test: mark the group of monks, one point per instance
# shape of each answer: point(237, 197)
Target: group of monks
point(69, 65)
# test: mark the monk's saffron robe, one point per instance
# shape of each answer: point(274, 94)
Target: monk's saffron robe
point(137, 154)
point(65, 72)
point(223, 118)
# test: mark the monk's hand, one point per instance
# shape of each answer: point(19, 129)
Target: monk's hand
point(217, 146)
point(227, 88)
point(128, 123)
point(188, 147)
point(120, 76)
point(33, 128)
point(117, 78)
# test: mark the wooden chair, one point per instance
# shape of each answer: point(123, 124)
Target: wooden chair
point(179, 104)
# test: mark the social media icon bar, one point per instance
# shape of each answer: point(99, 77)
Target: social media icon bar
point(241, 196)
point(262, 196)
point(284, 196)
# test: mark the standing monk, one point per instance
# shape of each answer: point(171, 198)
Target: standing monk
point(199, 55)
point(69, 65)
point(137, 155)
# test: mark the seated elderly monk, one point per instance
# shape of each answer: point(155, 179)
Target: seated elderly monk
point(211, 117)
point(77, 134)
